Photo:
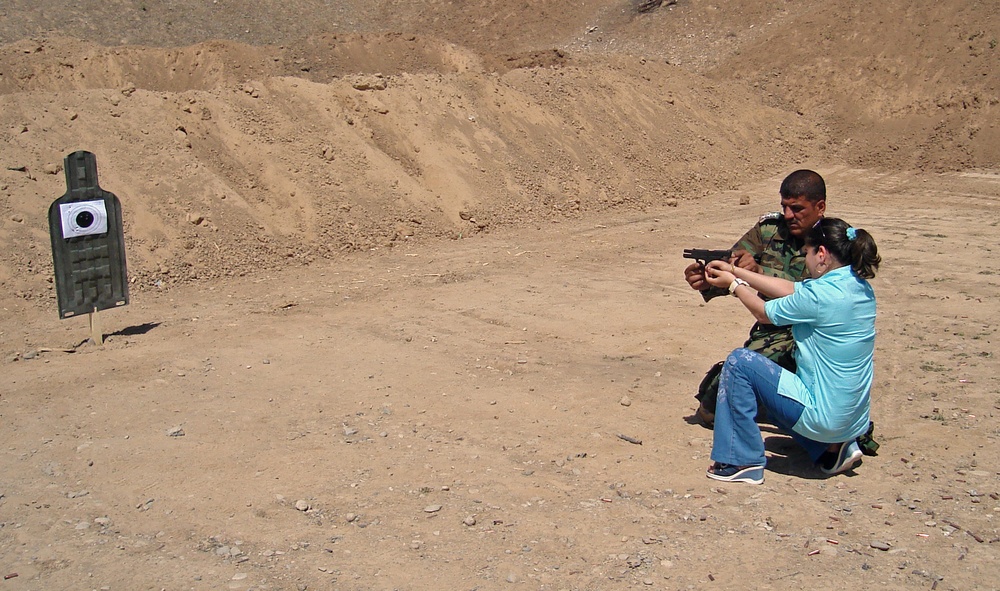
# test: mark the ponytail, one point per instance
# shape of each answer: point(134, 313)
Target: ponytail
point(864, 254)
point(850, 246)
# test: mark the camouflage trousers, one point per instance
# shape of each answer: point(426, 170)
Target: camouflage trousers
point(774, 342)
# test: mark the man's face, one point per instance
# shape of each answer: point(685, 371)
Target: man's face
point(801, 214)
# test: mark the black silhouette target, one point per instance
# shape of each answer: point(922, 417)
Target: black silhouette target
point(88, 243)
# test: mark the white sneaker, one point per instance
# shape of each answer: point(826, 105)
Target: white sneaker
point(849, 455)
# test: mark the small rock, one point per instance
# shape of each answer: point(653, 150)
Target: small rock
point(177, 431)
point(432, 508)
point(403, 230)
point(350, 517)
point(302, 505)
point(469, 521)
point(376, 82)
point(879, 545)
point(625, 401)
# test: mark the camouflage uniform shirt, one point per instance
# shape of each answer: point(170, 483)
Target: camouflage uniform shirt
point(775, 249)
point(778, 253)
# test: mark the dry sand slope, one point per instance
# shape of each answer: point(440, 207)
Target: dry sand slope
point(447, 417)
point(373, 125)
point(231, 159)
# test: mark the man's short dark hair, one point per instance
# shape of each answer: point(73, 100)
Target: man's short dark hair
point(804, 183)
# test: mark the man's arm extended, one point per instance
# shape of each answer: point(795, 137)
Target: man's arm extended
point(747, 250)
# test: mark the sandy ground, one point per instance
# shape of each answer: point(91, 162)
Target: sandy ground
point(447, 416)
point(402, 274)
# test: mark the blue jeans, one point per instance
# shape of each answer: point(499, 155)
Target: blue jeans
point(748, 379)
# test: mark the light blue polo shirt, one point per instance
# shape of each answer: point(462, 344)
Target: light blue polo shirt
point(833, 322)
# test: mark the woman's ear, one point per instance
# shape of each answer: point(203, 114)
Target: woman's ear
point(822, 255)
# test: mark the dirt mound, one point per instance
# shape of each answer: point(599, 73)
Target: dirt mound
point(360, 127)
point(230, 159)
point(899, 85)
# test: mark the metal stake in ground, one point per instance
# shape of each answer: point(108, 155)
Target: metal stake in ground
point(88, 245)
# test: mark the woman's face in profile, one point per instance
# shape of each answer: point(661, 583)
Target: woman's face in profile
point(813, 264)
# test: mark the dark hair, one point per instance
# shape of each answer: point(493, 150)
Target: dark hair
point(804, 183)
point(860, 252)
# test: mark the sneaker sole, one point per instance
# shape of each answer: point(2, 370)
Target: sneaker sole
point(751, 475)
point(848, 464)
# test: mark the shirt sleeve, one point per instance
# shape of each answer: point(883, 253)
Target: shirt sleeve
point(801, 307)
point(752, 241)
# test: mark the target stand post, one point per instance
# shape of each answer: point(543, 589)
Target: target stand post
point(88, 245)
point(96, 334)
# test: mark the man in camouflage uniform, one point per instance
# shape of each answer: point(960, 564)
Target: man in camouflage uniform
point(774, 246)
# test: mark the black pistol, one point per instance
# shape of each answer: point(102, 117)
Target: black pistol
point(705, 256)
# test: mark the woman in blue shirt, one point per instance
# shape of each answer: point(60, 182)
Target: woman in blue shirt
point(824, 404)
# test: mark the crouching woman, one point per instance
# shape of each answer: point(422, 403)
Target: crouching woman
point(823, 405)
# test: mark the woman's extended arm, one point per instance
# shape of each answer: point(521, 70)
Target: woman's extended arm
point(726, 276)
